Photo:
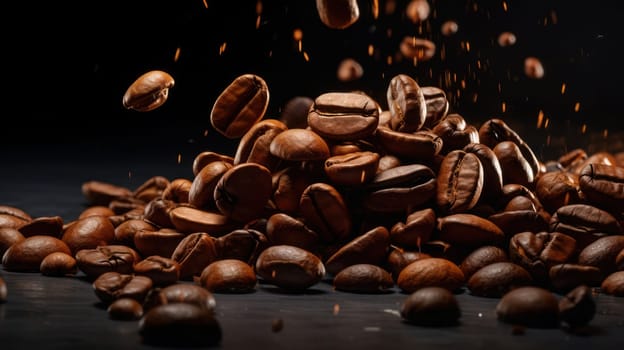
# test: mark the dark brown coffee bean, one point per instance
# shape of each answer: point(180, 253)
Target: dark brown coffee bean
point(89, 233)
point(516, 221)
point(187, 293)
point(344, 116)
point(469, 230)
point(243, 191)
point(149, 91)
point(243, 244)
point(27, 255)
point(603, 185)
point(126, 206)
point(565, 277)
point(284, 229)
point(8, 237)
point(4, 292)
point(339, 14)
point(201, 193)
point(557, 189)
point(459, 182)
point(515, 168)
point(353, 169)
point(417, 49)
point(157, 242)
point(400, 189)
point(204, 158)
point(119, 258)
point(417, 229)
point(406, 103)
point(299, 145)
point(398, 258)
point(492, 172)
point(127, 230)
point(421, 146)
point(240, 105)
point(481, 257)
point(151, 188)
point(455, 133)
point(58, 264)
point(601, 158)
point(572, 158)
point(619, 261)
point(289, 267)
point(613, 284)
point(288, 185)
point(228, 276)
point(538, 252)
point(431, 306)
point(112, 285)
point(578, 307)
point(178, 190)
point(437, 105)
point(602, 253)
point(529, 306)
point(295, 112)
point(432, 272)
point(254, 146)
point(368, 248)
point(161, 270)
point(194, 253)
point(190, 220)
point(326, 212)
point(388, 161)
point(496, 279)
point(363, 278)
point(179, 324)
point(126, 309)
point(583, 222)
point(44, 225)
point(156, 212)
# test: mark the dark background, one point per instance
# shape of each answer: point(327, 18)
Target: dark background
point(69, 65)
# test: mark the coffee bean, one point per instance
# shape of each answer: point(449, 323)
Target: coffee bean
point(243, 191)
point(496, 279)
point(459, 182)
point(325, 210)
point(27, 255)
point(603, 185)
point(431, 306)
point(206, 157)
point(565, 277)
point(188, 293)
point(161, 270)
point(406, 103)
point(228, 276)
point(613, 284)
point(254, 146)
point(417, 49)
point(96, 261)
point(58, 264)
point(433, 272)
point(290, 267)
point(344, 116)
point(299, 145)
point(529, 306)
point(193, 253)
point(8, 237)
point(481, 257)
point(363, 278)
point(88, 233)
point(149, 91)
point(602, 253)
point(112, 285)
point(368, 248)
point(339, 14)
point(125, 309)
point(578, 307)
point(417, 229)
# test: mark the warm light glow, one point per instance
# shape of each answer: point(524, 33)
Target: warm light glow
point(540, 118)
point(258, 21)
point(563, 88)
point(577, 106)
point(546, 123)
point(222, 48)
point(205, 132)
point(306, 57)
point(336, 309)
point(605, 133)
point(371, 49)
point(297, 34)
point(389, 60)
point(299, 46)
point(179, 158)
point(176, 56)
point(504, 6)
point(503, 107)
point(583, 128)
point(259, 7)
point(205, 3)
point(375, 8)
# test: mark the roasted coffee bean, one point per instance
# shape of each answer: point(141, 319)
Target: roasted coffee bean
point(481, 257)
point(602, 253)
point(517, 221)
point(295, 112)
point(157, 212)
point(349, 70)
point(179, 324)
point(126, 206)
point(398, 258)
point(363, 278)
point(288, 186)
point(613, 284)
point(4, 292)
point(338, 14)
point(102, 193)
point(492, 172)
point(459, 182)
point(417, 49)
point(27, 255)
point(8, 237)
point(299, 145)
point(254, 146)
point(421, 146)
point(432, 272)
point(538, 252)
point(578, 307)
point(95, 261)
point(496, 279)
point(565, 277)
point(188, 293)
point(282, 228)
point(585, 223)
point(344, 116)
point(177, 191)
point(326, 212)
point(603, 185)
point(201, 193)
point(14, 211)
point(228, 276)
point(125, 309)
point(368, 248)
point(157, 242)
point(406, 103)
point(243, 244)
point(10, 221)
point(112, 285)
point(240, 105)
point(89, 233)
point(556, 189)
point(619, 261)
point(601, 158)
point(161, 270)
point(149, 91)
point(58, 264)
point(403, 189)
point(127, 230)
point(206, 157)
point(431, 306)
point(529, 306)
point(417, 229)
point(193, 253)
point(454, 132)
point(353, 169)
point(96, 210)
point(571, 158)
point(243, 191)
point(44, 225)
point(436, 104)
point(289, 267)
point(190, 220)
point(468, 230)
point(515, 168)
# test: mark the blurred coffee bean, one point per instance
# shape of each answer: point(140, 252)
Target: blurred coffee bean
point(431, 306)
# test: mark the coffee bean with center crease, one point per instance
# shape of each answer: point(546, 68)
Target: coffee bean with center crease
point(95, 261)
point(437, 105)
point(240, 105)
point(325, 210)
point(194, 253)
point(149, 91)
point(282, 228)
point(417, 229)
point(243, 191)
point(161, 270)
point(406, 103)
point(254, 146)
point(43, 225)
point(603, 185)
point(112, 285)
point(289, 267)
point(492, 172)
point(344, 116)
point(368, 248)
point(157, 242)
point(353, 169)
point(585, 223)
point(556, 189)
point(578, 307)
point(419, 147)
point(459, 182)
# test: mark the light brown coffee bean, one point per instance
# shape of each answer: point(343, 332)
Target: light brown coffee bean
point(190, 220)
point(289, 267)
point(417, 229)
point(469, 230)
point(149, 91)
point(613, 284)
point(240, 105)
point(178, 190)
point(27, 255)
point(432, 272)
point(228, 276)
point(344, 116)
point(417, 49)
point(398, 258)
point(8, 237)
point(459, 182)
point(254, 146)
point(43, 225)
point(206, 157)
point(88, 233)
point(14, 211)
point(556, 189)
point(58, 264)
point(406, 103)
point(363, 278)
point(299, 145)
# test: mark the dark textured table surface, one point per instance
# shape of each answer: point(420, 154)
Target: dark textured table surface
point(63, 312)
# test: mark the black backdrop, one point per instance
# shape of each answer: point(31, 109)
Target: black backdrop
point(69, 64)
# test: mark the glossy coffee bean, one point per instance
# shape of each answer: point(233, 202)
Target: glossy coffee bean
point(228, 276)
point(431, 306)
point(189, 293)
point(240, 105)
point(468, 230)
point(436, 103)
point(338, 14)
point(105, 258)
point(111, 286)
point(368, 248)
point(161, 270)
point(43, 225)
point(613, 284)
point(481, 257)
point(125, 309)
point(417, 229)
point(363, 278)
point(193, 253)
point(27, 255)
point(433, 272)
point(299, 145)
point(243, 191)
point(343, 116)
point(88, 233)
point(529, 306)
point(578, 307)
point(565, 277)
point(496, 279)
point(178, 190)
point(459, 182)
point(602, 253)
point(289, 267)
point(8, 237)
point(325, 211)
point(201, 193)
point(352, 169)
point(157, 242)
point(58, 264)
point(243, 244)
point(400, 189)
point(282, 228)
point(254, 146)
point(206, 157)
point(102, 193)
point(149, 91)
point(603, 185)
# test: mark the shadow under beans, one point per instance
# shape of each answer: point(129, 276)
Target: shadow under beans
point(279, 290)
point(585, 331)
